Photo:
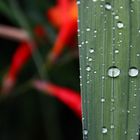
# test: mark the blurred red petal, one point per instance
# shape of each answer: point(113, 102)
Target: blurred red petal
point(70, 98)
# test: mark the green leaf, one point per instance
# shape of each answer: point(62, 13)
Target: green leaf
point(109, 48)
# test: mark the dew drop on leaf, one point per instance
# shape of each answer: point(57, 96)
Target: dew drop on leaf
point(95, 72)
point(102, 100)
point(89, 59)
point(128, 111)
point(137, 133)
point(125, 132)
point(95, 31)
point(104, 130)
point(112, 100)
point(88, 68)
point(103, 77)
point(112, 126)
point(91, 50)
point(78, 2)
point(113, 72)
point(108, 6)
point(133, 72)
point(135, 95)
point(116, 51)
point(88, 29)
point(134, 107)
point(116, 17)
point(120, 25)
point(85, 132)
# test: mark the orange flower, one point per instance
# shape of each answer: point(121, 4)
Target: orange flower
point(69, 97)
point(63, 16)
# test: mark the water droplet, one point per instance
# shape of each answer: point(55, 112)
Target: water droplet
point(113, 13)
point(83, 118)
point(112, 100)
point(102, 100)
point(137, 133)
point(120, 25)
point(138, 54)
point(89, 59)
point(88, 68)
point(125, 132)
point(94, 0)
point(95, 31)
point(88, 29)
point(104, 130)
point(116, 17)
point(101, 6)
point(108, 6)
point(128, 111)
point(91, 50)
point(112, 109)
point(79, 46)
point(116, 51)
point(113, 29)
point(103, 77)
point(113, 72)
point(78, 2)
point(112, 126)
point(134, 107)
point(135, 95)
point(85, 132)
point(133, 72)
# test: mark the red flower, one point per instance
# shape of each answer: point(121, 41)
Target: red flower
point(69, 97)
point(63, 16)
point(20, 57)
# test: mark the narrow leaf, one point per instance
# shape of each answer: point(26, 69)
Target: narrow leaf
point(109, 63)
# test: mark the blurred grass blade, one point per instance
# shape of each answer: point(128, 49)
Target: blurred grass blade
point(5, 10)
point(109, 39)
